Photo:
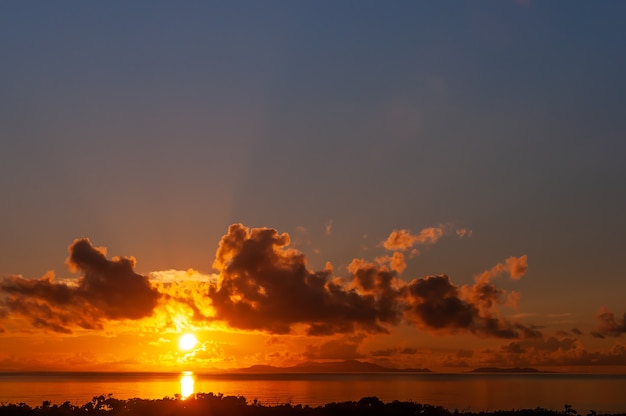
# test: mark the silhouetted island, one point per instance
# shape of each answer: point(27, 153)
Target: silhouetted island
point(219, 405)
point(348, 366)
point(508, 370)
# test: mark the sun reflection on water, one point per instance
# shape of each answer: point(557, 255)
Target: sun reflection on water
point(186, 385)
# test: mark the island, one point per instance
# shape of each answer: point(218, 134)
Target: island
point(347, 366)
point(516, 370)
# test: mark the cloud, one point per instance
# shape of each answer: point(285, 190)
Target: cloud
point(328, 228)
point(111, 286)
point(464, 232)
point(207, 352)
point(553, 351)
point(404, 240)
point(396, 261)
point(390, 352)
point(436, 304)
point(460, 359)
point(463, 353)
point(336, 349)
point(265, 285)
point(108, 290)
point(609, 324)
point(172, 276)
point(273, 340)
point(515, 267)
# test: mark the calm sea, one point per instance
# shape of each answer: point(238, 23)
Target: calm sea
point(602, 393)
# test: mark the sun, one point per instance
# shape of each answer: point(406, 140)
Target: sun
point(187, 342)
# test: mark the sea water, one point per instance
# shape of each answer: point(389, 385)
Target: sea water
point(465, 392)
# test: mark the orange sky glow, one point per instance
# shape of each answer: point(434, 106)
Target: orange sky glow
point(264, 305)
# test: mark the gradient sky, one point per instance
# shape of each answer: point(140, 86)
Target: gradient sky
point(394, 143)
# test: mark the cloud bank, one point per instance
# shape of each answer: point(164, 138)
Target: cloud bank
point(264, 285)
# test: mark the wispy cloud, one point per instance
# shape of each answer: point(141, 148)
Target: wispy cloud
point(609, 324)
point(464, 232)
point(404, 240)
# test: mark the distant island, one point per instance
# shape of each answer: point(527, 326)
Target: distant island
point(348, 366)
point(508, 370)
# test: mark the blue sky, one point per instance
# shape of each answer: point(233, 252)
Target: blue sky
point(150, 127)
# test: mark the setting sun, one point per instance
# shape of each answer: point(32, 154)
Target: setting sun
point(187, 342)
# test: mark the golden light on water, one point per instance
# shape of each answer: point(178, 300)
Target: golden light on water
point(186, 384)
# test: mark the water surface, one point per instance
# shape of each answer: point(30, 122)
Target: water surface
point(476, 392)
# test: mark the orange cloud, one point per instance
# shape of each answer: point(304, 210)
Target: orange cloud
point(404, 240)
point(396, 261)
point(464, 232)
point(515, 267)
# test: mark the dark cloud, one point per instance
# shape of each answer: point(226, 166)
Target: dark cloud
point(609, 324)
point(554, 351)
point(108, 290)
point(573, 331)
point(462, 353)
point(274, 340)
point(436, 304)
point(265, 285)
point(512, 348)
point(336, 349)
point(390, 352)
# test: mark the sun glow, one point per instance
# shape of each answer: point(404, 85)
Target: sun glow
point(187, 342)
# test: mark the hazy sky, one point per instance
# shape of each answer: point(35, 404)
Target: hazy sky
point(394, 142)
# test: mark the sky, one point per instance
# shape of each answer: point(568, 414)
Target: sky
point(412, 184)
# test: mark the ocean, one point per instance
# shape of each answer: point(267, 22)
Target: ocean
point(465, 392)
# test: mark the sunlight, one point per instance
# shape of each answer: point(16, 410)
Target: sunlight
point(186, 385)
point(187, 342)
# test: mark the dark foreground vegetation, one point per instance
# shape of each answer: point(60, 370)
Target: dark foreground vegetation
point(218, 405)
